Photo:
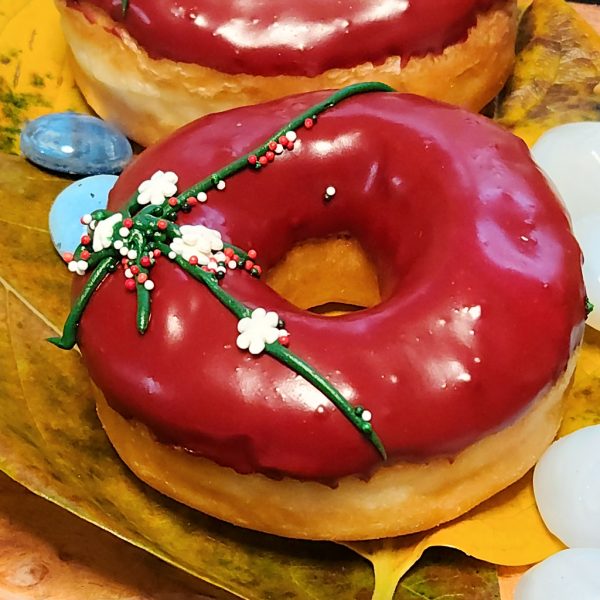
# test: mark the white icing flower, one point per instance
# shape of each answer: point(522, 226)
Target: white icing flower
point(198, 241)
point(160, 186)
point(103, 233)
point(258, 330)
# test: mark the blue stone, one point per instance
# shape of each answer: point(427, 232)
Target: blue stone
point(75, 144)
point(80, 198)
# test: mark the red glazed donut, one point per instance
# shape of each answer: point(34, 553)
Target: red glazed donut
point(460, 367)
point(163, 63)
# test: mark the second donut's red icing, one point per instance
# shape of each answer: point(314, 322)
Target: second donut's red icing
point(275, 37)
point(480, 276)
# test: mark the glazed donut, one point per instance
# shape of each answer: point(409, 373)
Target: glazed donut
point(168, 62)
point(444, 389)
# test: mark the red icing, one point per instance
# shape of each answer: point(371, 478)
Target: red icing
point(275, 37)
point(480, 275)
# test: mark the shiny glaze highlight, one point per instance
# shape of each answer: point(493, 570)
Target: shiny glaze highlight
point(277, 37)
point(483, 299)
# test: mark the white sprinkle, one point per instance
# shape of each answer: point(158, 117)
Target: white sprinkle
point(221, 270)
point(82, 265)
point(149, 284)
point(220, 257)
point(118, 244)
point(524, 238)
point(221, 185)
point(132, 254)
point(291, 136)
point(232, 264)
point(128, 274)
point(86, 219)
point(202, 197)
point(366, 415)
point(123, 232)
point(330, 191)
point(124, 250)
point(278, 149)
point(72, 266)
point(92, 225)
point(172, 255)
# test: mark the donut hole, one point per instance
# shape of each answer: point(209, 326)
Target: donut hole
point(330, 276)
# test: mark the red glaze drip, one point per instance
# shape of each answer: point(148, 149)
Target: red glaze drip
point(276, 37)
point(480, 275)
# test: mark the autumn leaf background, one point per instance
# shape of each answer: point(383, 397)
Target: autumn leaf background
point(52, 443)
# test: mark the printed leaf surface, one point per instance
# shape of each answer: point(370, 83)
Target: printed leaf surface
point(52, 443)
point(51, 407)
point(557, 73)
point(35, 77)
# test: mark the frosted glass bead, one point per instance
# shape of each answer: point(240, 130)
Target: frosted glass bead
point(75, 144)
point(566, 483)
point(80, 198)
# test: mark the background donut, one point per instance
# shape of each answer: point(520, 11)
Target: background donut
point(152, 71)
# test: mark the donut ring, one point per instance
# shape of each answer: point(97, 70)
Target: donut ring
point(168, 62)
point(487, 276)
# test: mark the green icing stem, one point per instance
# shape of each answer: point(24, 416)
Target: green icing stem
point(242, 163)
point(283, 354)
point(143, 295)
point(69, 336)
point(589, 307)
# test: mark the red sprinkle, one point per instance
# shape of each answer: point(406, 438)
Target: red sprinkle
point(252, 254)
point(284, 340)
point(162, 225)
point(130, 285)
point(263, 160)
point(128, 223)
point(284, 141)
point(192, 201)
point(248, 265)
point(173, 201)
point(142, 277)
point(308, 123)
point(85, 239)
point(270, 155)
point(272, 145)
point(124, 261)
point(258, 269)
point(252, 159)
point(290, 146)
point(134, 269)
point(145, 261)
point(228, 252)
point(193, 260)
point(84, 255)
point(156, 253)
point(68, 257)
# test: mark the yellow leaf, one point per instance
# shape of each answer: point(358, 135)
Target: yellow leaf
point(35, 77)
point(557, 72)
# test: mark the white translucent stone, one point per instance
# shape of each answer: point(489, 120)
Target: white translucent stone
point(570, 156)
point(569, 575)
point(587, 231)
point(566, 483)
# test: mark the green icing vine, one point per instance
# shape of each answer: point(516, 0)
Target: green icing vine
point(124, 6)
point(589, 307)
point(139, 234)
